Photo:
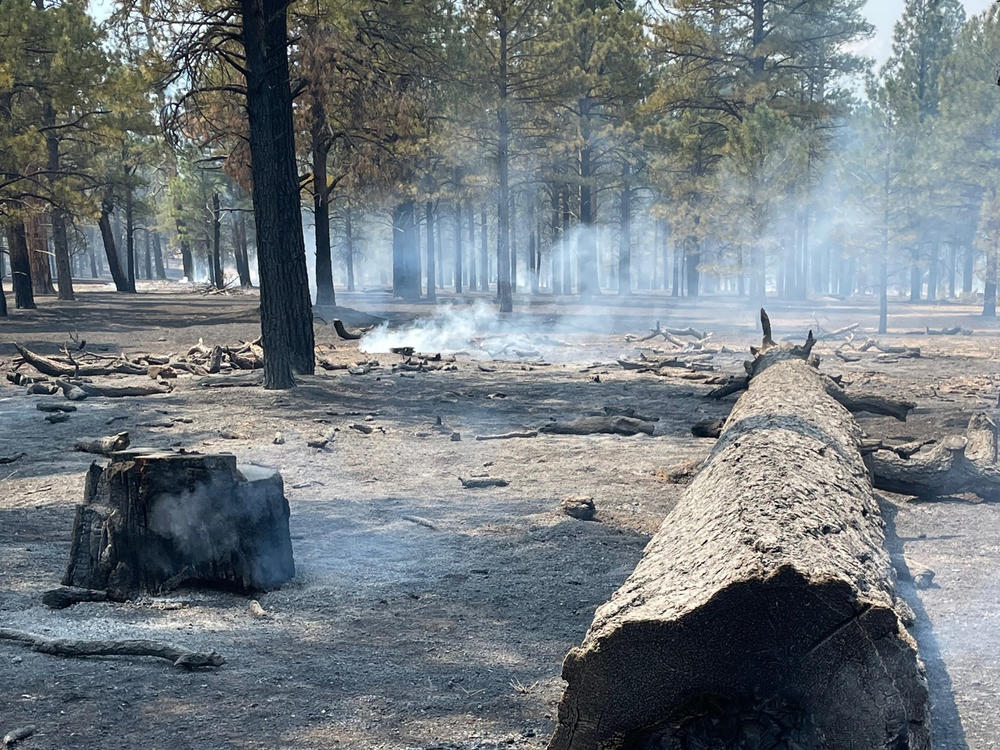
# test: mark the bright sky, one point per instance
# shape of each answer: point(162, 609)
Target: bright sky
point(884, 14)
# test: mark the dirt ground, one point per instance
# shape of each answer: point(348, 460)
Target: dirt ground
point(425, 615)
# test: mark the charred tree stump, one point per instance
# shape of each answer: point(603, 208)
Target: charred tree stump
point(762, 613)
point(153, 521)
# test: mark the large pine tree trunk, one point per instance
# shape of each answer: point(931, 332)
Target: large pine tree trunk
point(990, 290)
point(130, 238)
point(161, 271)
point(20, 268)
point(762, 613)
point(406, 280)
point(586, 244)
point(473, 283)
point(555, 248)
point(60, 246)
point(349, 244)
point(484, 253)
point(110, 248)
point(325, 294)
point(458, 247)
point(625, 241)
point(218, 278)
point(153, 521)
point(431, 260)
point(285, 304)
point(38, 256)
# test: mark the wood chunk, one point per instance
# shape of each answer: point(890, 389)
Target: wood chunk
point(16, 735)
point(114, 391)
point(57, 368)
point(338, 326)
point(104, 446)
point(708, 428)
point(11, 459)
point(57, 418)
point(578, 506)
point(509, 435)
point(44, 406)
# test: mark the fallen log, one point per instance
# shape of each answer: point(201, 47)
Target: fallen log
point(112, 391)
point(16, 735)
point(869, 402)
point(912, 352)
point(67, 596)
point(609, 425)
point(180, 657)
point(954, 466)
point(104, 446)
point(57, 368)
point(763, 608)
point(479, 483)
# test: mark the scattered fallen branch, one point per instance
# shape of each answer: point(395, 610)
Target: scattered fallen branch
point(509, 435)
point(104, 446)
point(478, 483)
point(114, 391)
point(12, 459)
point(869, 402)
point(43, 406)
point(953, 466)
point(181, 657)
point(838, 333)
point(727, 389)
point(610, 425)
point(72, 368)
point(956, 331)
point(911, 352)
point(338, 326)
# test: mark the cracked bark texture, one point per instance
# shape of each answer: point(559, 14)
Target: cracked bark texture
point(768, 585)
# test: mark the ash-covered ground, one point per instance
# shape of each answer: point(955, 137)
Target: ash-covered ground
point(426, 615)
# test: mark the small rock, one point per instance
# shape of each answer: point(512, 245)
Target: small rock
point(162, 371)
point(57, 418)
point(279, 439)
point(230, 435)
point(258, 611)
point(363, 428)
point(578, 506)
point(456, 437)
point(319, 442)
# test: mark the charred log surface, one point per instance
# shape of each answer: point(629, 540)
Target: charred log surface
point(954, 466)
point(609, 425)
point(764, 606)
point(152, 521)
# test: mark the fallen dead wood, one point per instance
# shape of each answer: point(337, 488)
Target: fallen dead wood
point(478, 483)
point(104, 446)
point(708, 428)
point(12, 458)
point(764, 605)
point(608, 425)
point(58, 368)
point(912, 352)
point(953, 466)
point(828, 335)
point(869, 402)
point(114, 391)
point(42, 406)
point(67, 596)
point(509, 435)
point(180, 657)
point(338, 326)
point(16, 735)
point(956, 331)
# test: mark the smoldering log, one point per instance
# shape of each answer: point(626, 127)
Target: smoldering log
point(764, 603)
point(954, 466)
point(338, 326)
point(152, 521)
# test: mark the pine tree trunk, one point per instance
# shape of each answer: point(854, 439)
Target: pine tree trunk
point(473, 275)
point(431, 261)
point(534, 261)
point(968, 268)
point(484, 253)
point(990, 292)
point(130, 238)
point(952, 262)
point(242, 252)
point(349, 244)
point(20, 267)
point(38, 257)
point(692, 259)
point(110, 248)
point(325, 294)
point(587, 272)
point(458, 247)
point(565, 251)
point(406, 281)
point(883, 296)
point(60, 245)
point(218, 278)
point(161, 271)
point(555, 249)
point(625, 246)
point(504, 290)
point(916, 277)
point(285, 304)
point(933, 273)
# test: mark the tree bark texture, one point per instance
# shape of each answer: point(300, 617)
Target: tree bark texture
point(763, 604)
point(285, 303)
point(20, 268)
point(110, 248)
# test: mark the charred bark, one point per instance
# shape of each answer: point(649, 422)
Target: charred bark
point(110, 248)
point(153, 521)
point(285, 303)
point(20, 268)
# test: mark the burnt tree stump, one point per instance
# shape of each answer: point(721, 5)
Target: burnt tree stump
point(762, 613)
point(151, 521)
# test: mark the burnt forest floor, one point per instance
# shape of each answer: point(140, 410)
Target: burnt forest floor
point(425, 615)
